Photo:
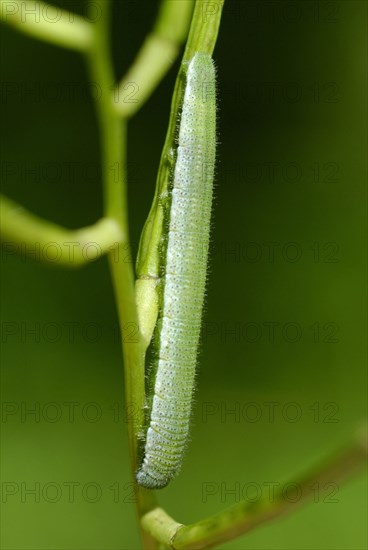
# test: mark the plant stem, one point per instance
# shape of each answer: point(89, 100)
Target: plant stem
point(159, 51)
point(113, 145)
point(245, 516)
point(48, 23)
point(22, 231)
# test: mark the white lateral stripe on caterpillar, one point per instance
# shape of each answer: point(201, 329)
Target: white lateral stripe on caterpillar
point(184, 278)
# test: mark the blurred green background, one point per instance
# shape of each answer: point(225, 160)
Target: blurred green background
point(284, 326)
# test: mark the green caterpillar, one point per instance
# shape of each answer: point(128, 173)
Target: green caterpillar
point(184, 279)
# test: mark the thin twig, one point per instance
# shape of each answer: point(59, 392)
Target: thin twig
point(157, 54)
point(245, 516)
point(24, 233)
point(113, 145)
point(48, 23)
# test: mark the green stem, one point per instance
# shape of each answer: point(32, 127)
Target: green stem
point(23, 232)
point(204, 28)
point(159, 51)
point(245, 516)
point(113, 145)
point(48, 23)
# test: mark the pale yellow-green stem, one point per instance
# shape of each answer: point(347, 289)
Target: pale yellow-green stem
point(48, 23)
point(245, 516)
point(158, 52)
point(22, 232)
point(113, 150)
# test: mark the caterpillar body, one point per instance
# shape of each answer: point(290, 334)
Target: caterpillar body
point(183, 280)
